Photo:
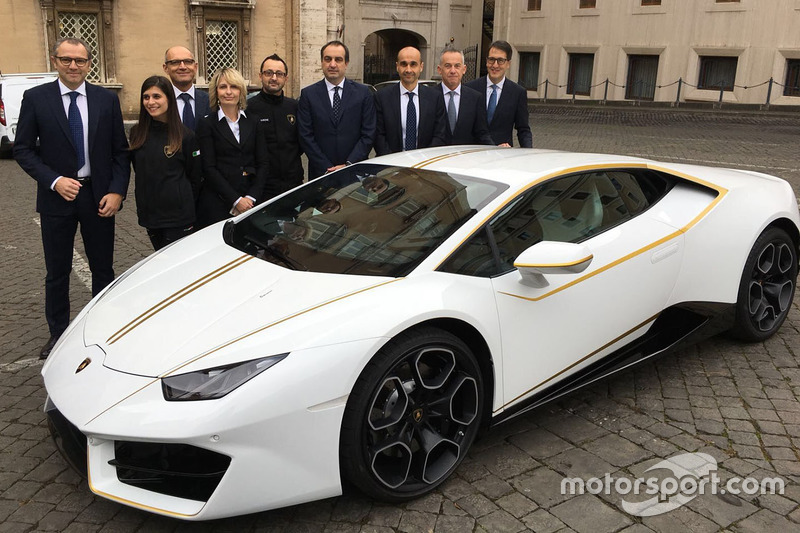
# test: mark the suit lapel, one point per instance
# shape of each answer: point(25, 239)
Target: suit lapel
point(94, 118)
point(227, 134)
point(397, 111)
point(246, 127)
point(58, 112)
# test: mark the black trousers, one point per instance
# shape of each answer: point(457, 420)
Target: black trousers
point(160, 237)
point(58, 239)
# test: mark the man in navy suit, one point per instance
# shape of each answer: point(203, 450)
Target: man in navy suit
point(466, 114)
point(410, 115)
point(506, 102)
point(336, 116)
point(180, 66)
point(82, 170)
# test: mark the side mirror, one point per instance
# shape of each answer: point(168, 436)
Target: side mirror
point(549, 257)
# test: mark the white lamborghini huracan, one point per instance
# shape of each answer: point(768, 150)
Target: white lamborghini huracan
point(368, 324)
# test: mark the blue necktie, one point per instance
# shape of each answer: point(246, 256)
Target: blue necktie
point(188, 114)
point(411, 123)
point(492, 104)
point(76, 127)
point(337, 104)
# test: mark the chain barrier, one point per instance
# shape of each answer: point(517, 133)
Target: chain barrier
point(680, 82)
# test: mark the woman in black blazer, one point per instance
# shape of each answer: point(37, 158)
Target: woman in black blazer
point(234, 154)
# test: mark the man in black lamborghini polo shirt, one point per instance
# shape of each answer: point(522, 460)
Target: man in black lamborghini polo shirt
point(277, 116)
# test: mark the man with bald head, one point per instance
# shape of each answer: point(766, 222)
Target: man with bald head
point(180, 66)
point(410, 115)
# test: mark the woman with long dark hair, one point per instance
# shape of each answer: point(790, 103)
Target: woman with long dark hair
point(235, 156)
point(167, 165)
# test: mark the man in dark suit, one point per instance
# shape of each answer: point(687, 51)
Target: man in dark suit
point(82, 170)
point(410, 115)
point(466, 114)
point(336, 116)
point(180, 66)
point(506, 102)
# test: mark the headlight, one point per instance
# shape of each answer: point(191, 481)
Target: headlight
point(214, 383)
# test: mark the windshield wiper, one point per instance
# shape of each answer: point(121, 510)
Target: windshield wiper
point(275, 253)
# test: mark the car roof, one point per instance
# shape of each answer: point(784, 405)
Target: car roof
point(513, 166)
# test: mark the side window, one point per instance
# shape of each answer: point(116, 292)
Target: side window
point(567, 209)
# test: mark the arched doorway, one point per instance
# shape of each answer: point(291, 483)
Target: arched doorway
point(380, 53)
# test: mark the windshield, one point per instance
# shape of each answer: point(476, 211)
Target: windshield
point(364, 219)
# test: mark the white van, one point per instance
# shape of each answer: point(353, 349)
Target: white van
point(11, 88)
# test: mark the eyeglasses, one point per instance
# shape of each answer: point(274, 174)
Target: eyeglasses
point(177, 62)
point(67, 61)
point(499, 60)
point(277, 73)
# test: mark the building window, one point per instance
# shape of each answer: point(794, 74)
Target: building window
point(792, 87)
point(651, 2)
point(642, 72)
point(222, 37)
point(529, 70)
point(584, 4)
point(727, 1)
point(534, 5)
point(90, 20)
point(580, 74)
point(222, 45)
point(717, 73)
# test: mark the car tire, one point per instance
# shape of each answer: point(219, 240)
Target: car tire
point(412, 415)
point(766, 290)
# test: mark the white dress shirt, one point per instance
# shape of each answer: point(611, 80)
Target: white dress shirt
point(83, 107)
point(181, 103)
point(489, 84)
point(456, 97)
point(330, 87)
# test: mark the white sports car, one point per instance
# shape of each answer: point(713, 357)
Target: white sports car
point(367, 325)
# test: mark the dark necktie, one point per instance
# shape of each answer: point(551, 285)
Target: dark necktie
point(451, 111)
point(411, 123)
point(337, 104)
point(188, 114)
point(76, 127)
point(492, 104)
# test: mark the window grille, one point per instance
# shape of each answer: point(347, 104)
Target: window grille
point(84, 26)
point(717, 73)
point(222, 45)
point(529, 70)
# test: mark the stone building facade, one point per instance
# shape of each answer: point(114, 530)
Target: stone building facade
point(730, 48)
point(129, 37)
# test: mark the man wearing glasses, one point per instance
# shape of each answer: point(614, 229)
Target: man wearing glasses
point(506, 102)
point(336, 116)
point(180, 66)
point(277, 116)
point(81, 165)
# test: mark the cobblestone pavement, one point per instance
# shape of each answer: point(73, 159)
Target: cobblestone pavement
point(735, 402)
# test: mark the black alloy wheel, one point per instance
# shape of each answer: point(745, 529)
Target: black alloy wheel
point(767, 287)
point(412, 416)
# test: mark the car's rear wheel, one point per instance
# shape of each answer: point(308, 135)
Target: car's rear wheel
point(412, 416)
point(767, 288)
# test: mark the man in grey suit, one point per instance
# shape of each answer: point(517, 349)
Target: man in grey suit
point(336, 116)
point(506, 102)
point(466, 112)
point(180, 66)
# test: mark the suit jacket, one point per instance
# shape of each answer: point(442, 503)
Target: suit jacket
point(511, 112)
point(432, 127)
point(201, 107)
point(42, 118)
point(231, 168)
point(328, 143)
point(471, 125)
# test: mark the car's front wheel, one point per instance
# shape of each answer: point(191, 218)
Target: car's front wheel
point(766, 290)
point(412, 415)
